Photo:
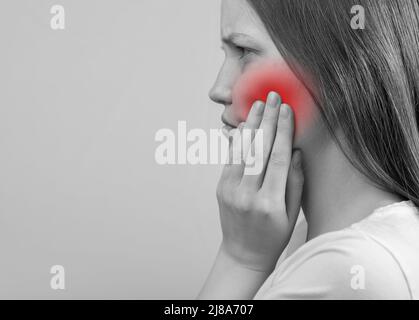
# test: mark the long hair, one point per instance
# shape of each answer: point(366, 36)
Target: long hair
point(367, 80)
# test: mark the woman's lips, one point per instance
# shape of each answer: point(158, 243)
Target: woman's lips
point(227, 126)
point(225, 120)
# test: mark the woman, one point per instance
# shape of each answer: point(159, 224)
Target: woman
point(352, 165)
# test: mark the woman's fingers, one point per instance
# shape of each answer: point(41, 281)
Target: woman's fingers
point(268, 126)
point(239, 145)
point(284, 176)
point(248, 133)
point(279, 160)
point(232, 169)
point(252, 124)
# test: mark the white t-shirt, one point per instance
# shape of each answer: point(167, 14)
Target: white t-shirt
point(376, 258)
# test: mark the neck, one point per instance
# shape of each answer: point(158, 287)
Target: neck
point(335, 194)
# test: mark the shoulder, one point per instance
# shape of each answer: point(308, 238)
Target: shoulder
point(346, 264)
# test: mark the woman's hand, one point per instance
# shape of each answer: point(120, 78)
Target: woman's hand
point(258, 212)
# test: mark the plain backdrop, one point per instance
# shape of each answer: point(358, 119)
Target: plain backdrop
point(79, 186)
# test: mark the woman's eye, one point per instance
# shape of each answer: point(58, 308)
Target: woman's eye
point(244, 52)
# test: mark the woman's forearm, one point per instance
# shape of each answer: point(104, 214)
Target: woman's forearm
point(230, 280)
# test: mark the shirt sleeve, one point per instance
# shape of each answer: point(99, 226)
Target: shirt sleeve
point(342, 265)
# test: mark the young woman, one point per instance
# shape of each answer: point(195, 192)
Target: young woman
point(348, 156)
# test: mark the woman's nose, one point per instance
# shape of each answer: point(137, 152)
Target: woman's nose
point(221, 91)
point(220, 94)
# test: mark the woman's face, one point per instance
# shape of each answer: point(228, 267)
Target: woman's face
point(252, 68)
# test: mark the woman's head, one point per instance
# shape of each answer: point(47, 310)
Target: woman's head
point(364, 83)
point(253, 67)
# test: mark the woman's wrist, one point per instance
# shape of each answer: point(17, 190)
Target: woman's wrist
point(248, 261)
point(232, 280)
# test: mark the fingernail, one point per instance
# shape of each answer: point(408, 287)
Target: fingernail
point(284, 112)
point(274, 100)
point(259, 106)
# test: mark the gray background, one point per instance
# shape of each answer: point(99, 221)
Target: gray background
point(79, 186)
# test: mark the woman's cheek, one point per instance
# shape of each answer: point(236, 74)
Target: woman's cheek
point(260, 79)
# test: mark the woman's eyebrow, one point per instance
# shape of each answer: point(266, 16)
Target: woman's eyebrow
point(240, 39)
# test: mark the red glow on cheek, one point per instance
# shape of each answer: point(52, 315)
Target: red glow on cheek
point(259, 80)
